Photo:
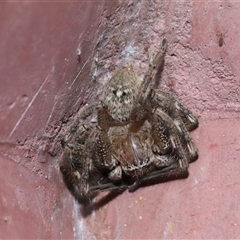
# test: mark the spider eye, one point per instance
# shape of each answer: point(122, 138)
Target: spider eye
point(124, 94)
point(114, 92)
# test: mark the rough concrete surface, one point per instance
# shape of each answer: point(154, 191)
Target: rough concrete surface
point(43, 86)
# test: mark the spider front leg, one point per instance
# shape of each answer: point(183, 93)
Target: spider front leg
point(139, 114)
point(104, 156)
point(155, 65)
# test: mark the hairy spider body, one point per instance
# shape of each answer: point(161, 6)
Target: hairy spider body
point(141, 134)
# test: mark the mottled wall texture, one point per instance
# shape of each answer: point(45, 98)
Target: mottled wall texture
point(56, 57)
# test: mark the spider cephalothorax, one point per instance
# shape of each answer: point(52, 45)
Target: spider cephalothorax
point(120, 95)
point(141, 134)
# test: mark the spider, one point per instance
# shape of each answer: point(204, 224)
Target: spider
point(141, 134)
point(221, 37)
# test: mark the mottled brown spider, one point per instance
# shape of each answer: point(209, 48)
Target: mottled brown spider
point(141, 134)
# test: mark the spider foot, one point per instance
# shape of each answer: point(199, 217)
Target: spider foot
point(133, 187)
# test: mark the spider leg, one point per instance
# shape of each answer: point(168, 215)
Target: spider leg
point(153, 175)
point(104, 155)
point(75, 172)
point(165, 134)
point(139, 114)
point(177, 167)
point(78, 123)
point(160, 134)
point(154, 66)
point(173, 170)
point(104, 158)
point(182, 118)
point(89, 111)
point(69, 170)
point(168, 140)
point(108, 187)
point(76, 165)
point(189, 120)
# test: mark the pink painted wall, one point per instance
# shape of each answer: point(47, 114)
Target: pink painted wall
point(39, 92)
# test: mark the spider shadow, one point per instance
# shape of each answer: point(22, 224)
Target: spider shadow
point(88, 206)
